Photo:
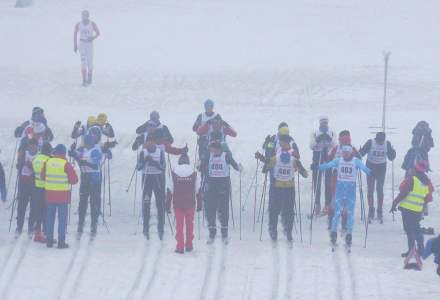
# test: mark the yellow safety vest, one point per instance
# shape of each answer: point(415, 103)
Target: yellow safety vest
point(416, 198)
point(37, 166)
point(56, 177)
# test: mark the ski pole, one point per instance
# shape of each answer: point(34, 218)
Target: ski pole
point(363, 201)
point(299, 210)
point(14, 201)
point(313, 200)
point(255, 195)
point(103, 186)
point(230, 204)
point(263, 193)
point(250, 189)
point(262, 216)
point(240, 205)
point(109, 189)
point(12, 164)
point(392, 183)
point(104, 222)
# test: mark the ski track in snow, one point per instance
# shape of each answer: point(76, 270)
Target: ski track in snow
point(209, 268)
point(15, 267)
point(152, 278)
point(137, 281)
point(275, 271)
point(11, 250)
point(290, 268)
point(76, 282)
point(352, 276)
point(221, 273)
point(63, 282)
point(338, 273)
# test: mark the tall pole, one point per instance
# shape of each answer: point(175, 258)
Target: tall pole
point(385, 86)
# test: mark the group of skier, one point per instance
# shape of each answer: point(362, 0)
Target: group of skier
point(45, 178)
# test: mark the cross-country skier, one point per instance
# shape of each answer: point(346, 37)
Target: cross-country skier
point(3, 191)
point(90, 158)
point(283, 166)
point(152, 162)
point(202, 119)
point(322, 141)
point(421, 143)
point(378, 150)
point(216, 166)
point(183, 199)
point(271, 145)
point(58, 175)
point(26, 153)
point(347, 168)
point(27, 127)
point(415, 190)
point(38, 202)
point(155, 122)
point(88, 32)
point(433, 247)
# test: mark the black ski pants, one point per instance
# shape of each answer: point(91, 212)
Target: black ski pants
point(411, 225)
point(38, 209)
point(217, 204)
point(281, 201)
point(153, 183)
point(377, 180)
point(24, 197)
point(90, 192)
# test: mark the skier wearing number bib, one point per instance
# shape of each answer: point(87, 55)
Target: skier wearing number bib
point(218, 185)
point(283, 166)
point(378, 150)
point(88, 32)
point(347, 168)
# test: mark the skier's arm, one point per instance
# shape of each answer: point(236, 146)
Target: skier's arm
point(269, 164)
point(301, 169)
point(391, 152)
point(295, 150)
point(230, 160)
point(49, 134)
point(332, 164)
point(203, 129)
point(227, 130)
point(167, 134)
point(137, 142)
point(404, 190)
point(141, 129)
point(197, 123)
point(75, 37)
point(97, 32)
point(362, 166)
point(71, 174)
point(365, 148)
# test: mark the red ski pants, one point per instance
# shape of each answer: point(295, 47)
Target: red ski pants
point(184, 217)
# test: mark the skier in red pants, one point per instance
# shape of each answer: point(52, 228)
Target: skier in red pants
point(184, 203)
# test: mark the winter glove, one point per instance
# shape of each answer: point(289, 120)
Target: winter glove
point(260, 156)
point(73, 146)
point(393, 208)
point(110, 145)
point(77, 124)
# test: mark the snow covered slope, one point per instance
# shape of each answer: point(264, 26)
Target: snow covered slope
point(263, 62)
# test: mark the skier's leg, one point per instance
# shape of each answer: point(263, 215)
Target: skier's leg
point(83, 55)
point(146, 203)
point(350, 203)
point(50, 223)
point(179, 214)
point(328, 187)
point(23, 199)
point(380, 194)
point(338, 207)
point(90, 63)
point(408, 227)
point(274, 211)
point(418, 233)
point(287, 213)
point(159, 195)
point(223, 212)
point(189, 224)
point(95, 203)
point(211, 203)
point(84, 193)
point(317, 187)
point(370, 196)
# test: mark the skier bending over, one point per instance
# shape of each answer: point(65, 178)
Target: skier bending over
point(347, 168)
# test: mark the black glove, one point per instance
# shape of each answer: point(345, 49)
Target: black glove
point(393, 209)
point(77, 124)
point(73, 147)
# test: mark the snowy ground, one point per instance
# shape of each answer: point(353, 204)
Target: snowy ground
point(262, 62)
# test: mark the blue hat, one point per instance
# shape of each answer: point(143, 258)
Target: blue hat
point(209, 104)
point(59, 149)
point(285, 157)
point(89, 140)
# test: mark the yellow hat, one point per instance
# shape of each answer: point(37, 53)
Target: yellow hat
point(102, 119)
point(283, 130)
point(91, 121)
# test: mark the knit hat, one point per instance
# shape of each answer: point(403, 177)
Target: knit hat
point(102, 119)
point(282, 124)
point(380, 137)
point(323, 118)
point(91, 121)
point(154, 116)
point(209, 104)
point(59, 149)
point(283, 130)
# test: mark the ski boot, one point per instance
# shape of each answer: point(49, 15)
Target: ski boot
point(380, 215)
point(189, 249)
point(225, 238)
point(179, 251)
point(348, 241)
point(39, 237)
point(146, 234)
point(211, 238)
point(370, 215)
point(333, 238)
point(273, 235)
point(289, 236)
point(49, 243)
point(63, 245)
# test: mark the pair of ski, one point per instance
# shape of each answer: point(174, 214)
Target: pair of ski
point(334, 246)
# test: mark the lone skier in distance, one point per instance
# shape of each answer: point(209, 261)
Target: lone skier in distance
point(88, 32)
